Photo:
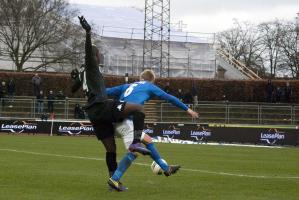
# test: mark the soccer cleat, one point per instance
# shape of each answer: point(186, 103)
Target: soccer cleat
point(137, 147)
point(172, 170)
point(123, 188)
point(116, 185)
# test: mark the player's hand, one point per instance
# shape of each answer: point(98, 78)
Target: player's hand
point(192, 113)
point(84, 24)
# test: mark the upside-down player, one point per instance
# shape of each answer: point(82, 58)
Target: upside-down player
point(140, 92)
point(101, 111)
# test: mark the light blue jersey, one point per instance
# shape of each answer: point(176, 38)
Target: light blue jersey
point(140, 92)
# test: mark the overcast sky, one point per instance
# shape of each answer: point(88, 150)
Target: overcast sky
point(215, 15)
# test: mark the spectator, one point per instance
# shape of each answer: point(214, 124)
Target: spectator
point(194, 93)
point(40, 102)
point(36, 81)
point(44, 117)
point(11, 87)
point(269, 91)
point(188, 99)
point(79, 112)
point(60, 95)
point(167, 88)
point(278, 94)
point(50, 99)
point(52, 115)
point(287, 93)
point(3, 93)
point(180, 95)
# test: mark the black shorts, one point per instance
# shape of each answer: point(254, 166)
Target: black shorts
point(102, 115)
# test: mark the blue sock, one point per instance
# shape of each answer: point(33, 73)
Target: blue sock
point(123, 165)
point(156, 156)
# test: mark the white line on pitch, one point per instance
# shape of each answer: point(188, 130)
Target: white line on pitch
point(143, 164)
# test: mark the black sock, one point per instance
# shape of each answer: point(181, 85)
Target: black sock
point(111, 162)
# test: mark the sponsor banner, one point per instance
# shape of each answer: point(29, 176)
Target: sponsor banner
point(190, 132)
point(272, 136)
point(266, 136)
point(45, 127)
point(73, 128)
point(174, 132)
point(19, 126)
point(199, 133)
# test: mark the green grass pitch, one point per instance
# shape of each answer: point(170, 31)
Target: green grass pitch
point(73, 168)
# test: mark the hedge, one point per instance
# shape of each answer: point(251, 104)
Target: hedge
point(207, 89)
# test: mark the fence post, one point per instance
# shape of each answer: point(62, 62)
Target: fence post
point(226, 113)
point(65, 109)
point(292, 114)
point(33, 107)
point(260, 114)
point(161, 112)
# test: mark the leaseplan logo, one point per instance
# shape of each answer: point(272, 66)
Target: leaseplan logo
point(171, 131)
point(75, 128)
point(148, 129)
point(19, 127)
point(200, 133)
point(272, 136)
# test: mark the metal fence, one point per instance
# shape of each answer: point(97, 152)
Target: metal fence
point(230, 113)
point(30, 108)
point(210, 112)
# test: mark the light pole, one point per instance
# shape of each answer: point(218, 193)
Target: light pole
point(297, 32)
point(297, 40)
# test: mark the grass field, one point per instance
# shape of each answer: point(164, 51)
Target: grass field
point(73, 168)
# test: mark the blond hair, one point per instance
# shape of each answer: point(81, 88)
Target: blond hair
point(148, 75)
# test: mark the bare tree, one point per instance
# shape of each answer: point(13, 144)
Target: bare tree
point(288, 44)
point(37, 29)
point(269, 46)
point(243, 43)
point(270, 38)
point(232, 40)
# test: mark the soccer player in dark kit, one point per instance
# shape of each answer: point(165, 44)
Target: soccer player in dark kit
point(103, 112)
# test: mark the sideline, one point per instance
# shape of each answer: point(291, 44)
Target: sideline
point(143, 164)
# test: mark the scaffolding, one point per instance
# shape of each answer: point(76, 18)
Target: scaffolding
point(156, 41)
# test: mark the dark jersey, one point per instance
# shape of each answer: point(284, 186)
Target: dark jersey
point(91, 77)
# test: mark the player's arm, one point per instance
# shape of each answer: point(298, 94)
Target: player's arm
point(116, 91)
point(173, 100)
point(88, 45)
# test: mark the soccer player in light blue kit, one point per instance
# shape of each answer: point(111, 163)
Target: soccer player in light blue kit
point(139, 93)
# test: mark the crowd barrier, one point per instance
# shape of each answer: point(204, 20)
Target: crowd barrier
point(168, 132)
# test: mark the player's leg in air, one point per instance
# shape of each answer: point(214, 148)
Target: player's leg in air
point(125, 129)
point(136, 112)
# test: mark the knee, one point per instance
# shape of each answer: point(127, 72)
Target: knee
point(109, 144)
point(111, 149)
point(146, 139)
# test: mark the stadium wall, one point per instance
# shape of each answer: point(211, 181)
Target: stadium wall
point(207, 89)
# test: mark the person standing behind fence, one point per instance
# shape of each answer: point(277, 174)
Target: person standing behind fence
point(50, 99)
point(40, 102)
point(11, 88)
point(287, 93)
point(269, 91)
point(36, 81)
point(3, 93)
